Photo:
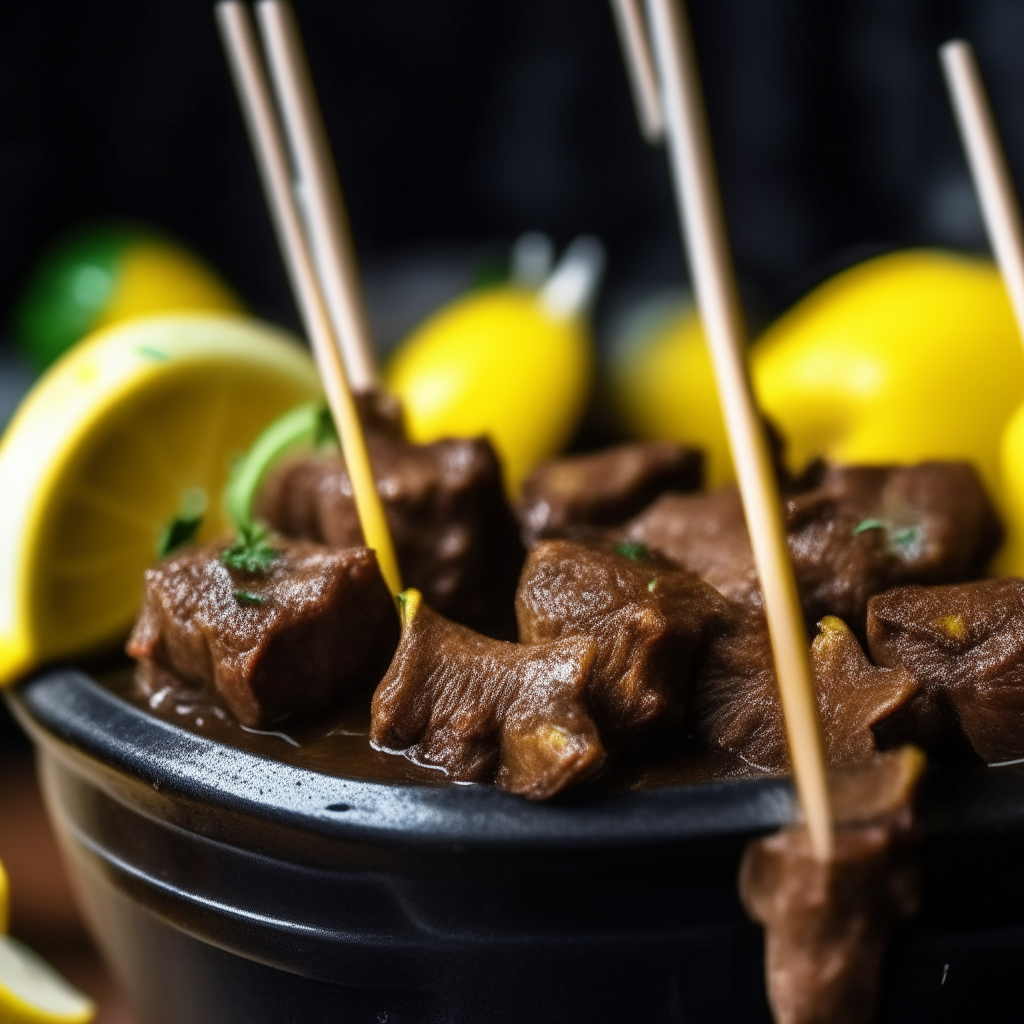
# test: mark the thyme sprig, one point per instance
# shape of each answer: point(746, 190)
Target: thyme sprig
point(252, 551)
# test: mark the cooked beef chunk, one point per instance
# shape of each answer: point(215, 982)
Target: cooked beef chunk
point(380, 411)
point(454, 533)
point(858, 531)
point(705, 533)
point(603, 488)
point(736, 706)
point(284, 641)
point(826, 925)
point(965, 642)
point(646, 616)
point(487, 710)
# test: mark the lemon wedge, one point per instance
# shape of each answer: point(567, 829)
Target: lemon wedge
point(32, 992)
point(127, 436)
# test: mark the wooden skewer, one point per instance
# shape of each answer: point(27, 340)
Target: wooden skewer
point(642, 79)
point(321, 198)
point(239, 39)
point(987, 161)
point(706, 241)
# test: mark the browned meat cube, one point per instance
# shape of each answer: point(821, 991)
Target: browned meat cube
point(603, 488)
point(827, 925)
point(858, 531)
point(454, 533)
point(965, 642)
point(487, 710)
point(736, 705)
point(286, 640)
point(646, 616)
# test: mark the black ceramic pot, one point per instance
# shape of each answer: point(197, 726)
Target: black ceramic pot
point(225, 887)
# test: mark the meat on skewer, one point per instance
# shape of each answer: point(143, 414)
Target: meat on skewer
point(646, 617)
point(858, 531)
point(275, 629)
point(580, 493)
point(827, 924)
point(735, 705)
point(487, 710)
point(454, 534)
point(965, 643)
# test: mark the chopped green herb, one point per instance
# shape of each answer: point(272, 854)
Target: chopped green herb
point(251, 552)
point(185, 525)
point(651, 585)
point(638, 552)
point(868, 524)
point(249, 599)
point(906, 541)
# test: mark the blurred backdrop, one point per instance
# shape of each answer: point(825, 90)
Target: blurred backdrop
point(459, 124)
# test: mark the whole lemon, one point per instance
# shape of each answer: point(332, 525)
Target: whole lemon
point(663, 386)
point(496, 362)
point(913, 355)
point(1010, 559)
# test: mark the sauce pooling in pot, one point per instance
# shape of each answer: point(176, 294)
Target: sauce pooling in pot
point(337, 743)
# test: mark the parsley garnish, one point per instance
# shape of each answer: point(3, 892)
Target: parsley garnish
point(185, 525)
point(904, 540)
point(638, 552)
point(867, 524)
point(249, 599)
point(652, 585)
point(252, 551)
point(907, 541)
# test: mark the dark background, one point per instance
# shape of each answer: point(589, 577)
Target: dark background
point(458, 124)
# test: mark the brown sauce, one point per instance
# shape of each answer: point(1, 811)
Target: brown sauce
point(337, 743)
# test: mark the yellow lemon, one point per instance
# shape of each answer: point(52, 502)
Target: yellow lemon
point(31, 992)
point(663, 386)
point(1010, 560)
point(122, 450)
point(105, 273)
point(496, 362)
point(157, 277)
point(914, 355)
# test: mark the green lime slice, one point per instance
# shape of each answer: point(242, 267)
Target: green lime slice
point(69, 289)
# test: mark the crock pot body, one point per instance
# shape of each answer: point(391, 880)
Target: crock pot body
point(224, 887)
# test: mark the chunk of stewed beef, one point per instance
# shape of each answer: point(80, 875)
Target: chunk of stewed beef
point(646, 616)
point(827, 924)
point(486, 710)
point(305, 626)
point(603, 488)
point(858, 531)
point(454, 533)
point(965, 643)
point(736, 706)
